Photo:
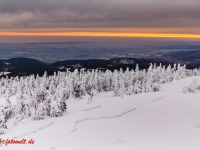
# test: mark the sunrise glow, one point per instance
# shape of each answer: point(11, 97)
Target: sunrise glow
point(103, 34)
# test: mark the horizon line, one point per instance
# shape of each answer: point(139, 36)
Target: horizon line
point(102, 34)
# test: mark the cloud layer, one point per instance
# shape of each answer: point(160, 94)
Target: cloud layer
point(99, 13)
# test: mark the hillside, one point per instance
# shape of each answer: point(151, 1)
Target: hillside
point(168, 119)
point(28, 66)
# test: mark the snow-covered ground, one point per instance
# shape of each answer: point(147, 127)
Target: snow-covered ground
point(164, 120)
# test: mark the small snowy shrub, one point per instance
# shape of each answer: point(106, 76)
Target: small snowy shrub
point(40, 112)
point(55, 110)
point(77, 91)
point(156, 87)
point(185, 90)
point(193, 88)
point(9, 112)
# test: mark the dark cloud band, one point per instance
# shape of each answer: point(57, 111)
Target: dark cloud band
point(99, 13)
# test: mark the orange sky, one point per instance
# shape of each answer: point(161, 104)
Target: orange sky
point(190, 33)
point(102, 34)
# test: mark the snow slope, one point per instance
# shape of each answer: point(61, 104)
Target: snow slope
point(165, 120)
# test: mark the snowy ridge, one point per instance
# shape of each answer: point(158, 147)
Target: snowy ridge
point(124, 61)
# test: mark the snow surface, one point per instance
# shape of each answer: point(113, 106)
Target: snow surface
point(164, 120)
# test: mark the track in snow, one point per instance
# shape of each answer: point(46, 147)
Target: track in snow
point(91, 108)
point(39, 129)
point(156, 99)
point(95, 118)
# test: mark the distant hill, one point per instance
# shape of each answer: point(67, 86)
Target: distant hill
point(27, 66)
point(191, 58)
point(22, 64)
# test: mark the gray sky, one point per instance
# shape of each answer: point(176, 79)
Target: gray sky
point(98, 13)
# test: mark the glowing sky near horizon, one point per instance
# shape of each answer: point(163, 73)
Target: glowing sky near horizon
point(127, 18)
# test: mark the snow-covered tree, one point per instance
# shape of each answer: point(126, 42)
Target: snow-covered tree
point(38, 97)
point(3, 126)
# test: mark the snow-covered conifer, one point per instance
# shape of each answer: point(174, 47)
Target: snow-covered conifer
point(3, 126)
